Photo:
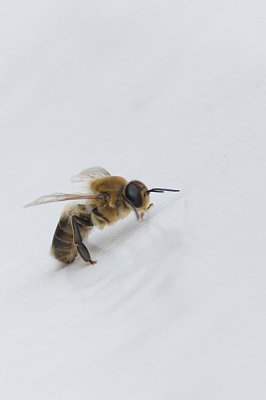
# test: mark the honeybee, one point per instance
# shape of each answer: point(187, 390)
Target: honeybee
point(107, 200)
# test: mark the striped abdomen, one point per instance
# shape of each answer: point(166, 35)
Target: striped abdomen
point(63, 247)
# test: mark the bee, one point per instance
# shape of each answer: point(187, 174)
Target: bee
point(107, 200)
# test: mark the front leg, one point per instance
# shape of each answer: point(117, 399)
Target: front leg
point(82, 249)
point(144, 212)
point(149, 206)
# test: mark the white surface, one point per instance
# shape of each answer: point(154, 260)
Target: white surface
point(173, 94)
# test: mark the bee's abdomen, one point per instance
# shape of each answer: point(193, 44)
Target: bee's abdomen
point(63, 247)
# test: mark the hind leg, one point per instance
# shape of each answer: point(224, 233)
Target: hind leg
point(82, 249)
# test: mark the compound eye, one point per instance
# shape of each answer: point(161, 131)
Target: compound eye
point(132, 192)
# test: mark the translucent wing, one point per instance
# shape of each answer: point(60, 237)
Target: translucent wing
point(90, 173)
point(61, 197)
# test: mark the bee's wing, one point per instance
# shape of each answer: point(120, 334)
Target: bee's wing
point(61, 197)
point(90, 173)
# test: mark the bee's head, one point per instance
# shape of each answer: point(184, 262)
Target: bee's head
point(137, 195)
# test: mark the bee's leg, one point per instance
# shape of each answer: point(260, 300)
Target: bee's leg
point(100, 215)
point(82, 249)
point(83, 221)
point(150, 205)
point(144, 212)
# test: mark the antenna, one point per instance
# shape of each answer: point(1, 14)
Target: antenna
point(161, 190)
